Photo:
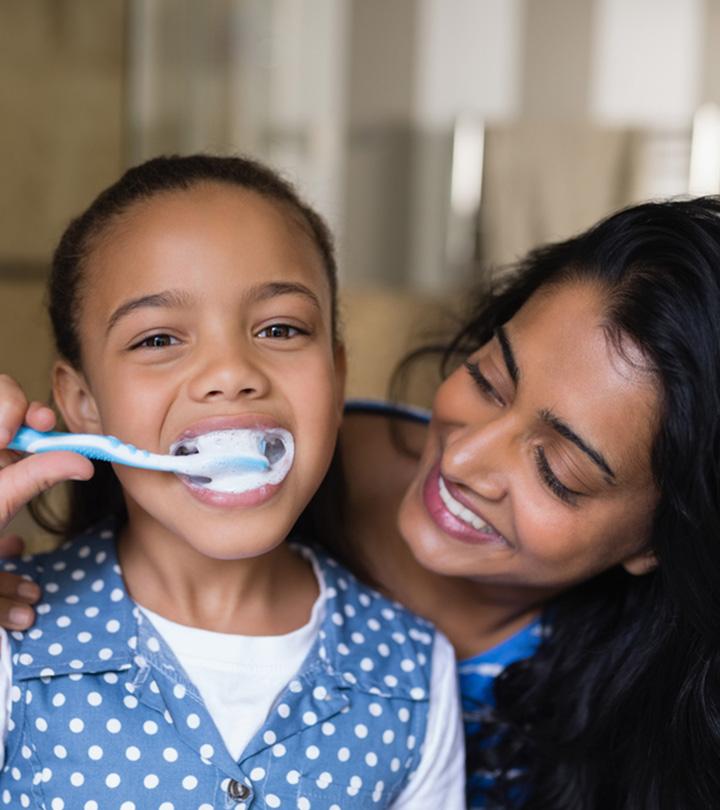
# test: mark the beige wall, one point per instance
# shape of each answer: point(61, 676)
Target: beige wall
point(61, 102)
point(61, 141)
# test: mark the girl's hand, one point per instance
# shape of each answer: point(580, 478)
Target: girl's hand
point(20, 480)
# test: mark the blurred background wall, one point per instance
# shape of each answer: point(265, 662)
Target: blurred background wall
point(440, 138)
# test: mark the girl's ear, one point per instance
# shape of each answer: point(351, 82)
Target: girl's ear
point(340, 357)
point(641, 563)
point(74, 399)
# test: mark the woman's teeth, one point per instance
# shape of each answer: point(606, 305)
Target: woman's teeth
point(462, 512)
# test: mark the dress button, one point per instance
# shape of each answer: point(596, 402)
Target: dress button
point(237, 791)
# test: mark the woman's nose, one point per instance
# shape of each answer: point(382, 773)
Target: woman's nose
point(480, 457)
point(228, 375)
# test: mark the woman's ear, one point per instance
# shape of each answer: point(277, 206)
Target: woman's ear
point(74, 399)
point(641, 563)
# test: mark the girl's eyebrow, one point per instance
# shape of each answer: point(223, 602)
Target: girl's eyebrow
point(272, 289)
point(167, 298)
point(180, 298)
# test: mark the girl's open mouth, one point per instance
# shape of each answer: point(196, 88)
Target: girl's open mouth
point(228, 451)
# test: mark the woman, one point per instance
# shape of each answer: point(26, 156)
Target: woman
point(562, 523)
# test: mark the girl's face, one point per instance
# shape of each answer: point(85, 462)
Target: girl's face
point(204, 310)
point(536, 472)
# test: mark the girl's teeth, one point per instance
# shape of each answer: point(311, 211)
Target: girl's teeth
point(461, 512)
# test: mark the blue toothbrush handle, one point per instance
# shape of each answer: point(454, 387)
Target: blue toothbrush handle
point(110, 448)
point(25, 436)
point(27, 440)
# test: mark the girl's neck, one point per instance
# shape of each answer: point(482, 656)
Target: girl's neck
point(266, 595)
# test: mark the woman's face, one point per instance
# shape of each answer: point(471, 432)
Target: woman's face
point(536, 472)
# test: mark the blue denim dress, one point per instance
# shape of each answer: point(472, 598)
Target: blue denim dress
point(103, 715)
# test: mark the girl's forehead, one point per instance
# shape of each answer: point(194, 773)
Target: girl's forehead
point(217, 211)
point(210, 233)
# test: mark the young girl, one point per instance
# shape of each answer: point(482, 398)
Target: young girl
point(184, 655)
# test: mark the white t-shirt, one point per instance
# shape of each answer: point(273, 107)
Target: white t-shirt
point(239, 678)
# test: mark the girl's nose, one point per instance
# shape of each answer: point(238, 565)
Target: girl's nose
point(480, 457)
point(229, 375)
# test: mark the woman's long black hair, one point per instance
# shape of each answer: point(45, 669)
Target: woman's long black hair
point(620, 707)
point(91, 501)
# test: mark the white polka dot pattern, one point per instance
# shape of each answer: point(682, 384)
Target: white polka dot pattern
point(104, 715)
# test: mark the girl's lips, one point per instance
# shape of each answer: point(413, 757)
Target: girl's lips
point(449, 523)
point(228, 500)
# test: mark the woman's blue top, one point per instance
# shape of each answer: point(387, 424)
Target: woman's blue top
point(477, 679)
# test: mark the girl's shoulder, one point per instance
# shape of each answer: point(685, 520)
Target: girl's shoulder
point(67, 559)
point(84, 599)
point(344, 592)
point(375, 639)
point(66, 567)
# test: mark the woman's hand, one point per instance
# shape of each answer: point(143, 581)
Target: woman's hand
point(16, 594)
point(20, 480)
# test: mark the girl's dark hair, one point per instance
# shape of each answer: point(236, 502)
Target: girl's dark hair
point(102, 496)
point(620, 707)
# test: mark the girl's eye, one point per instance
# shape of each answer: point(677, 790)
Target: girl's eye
point(553, 483)
point(482, 382)
point(159, 341)
point(280, 331)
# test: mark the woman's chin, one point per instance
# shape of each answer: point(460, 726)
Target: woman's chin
point(421, 535)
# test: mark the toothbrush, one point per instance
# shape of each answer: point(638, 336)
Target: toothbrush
point(109, 448)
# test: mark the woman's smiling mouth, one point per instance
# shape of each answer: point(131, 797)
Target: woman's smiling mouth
point(454, 517)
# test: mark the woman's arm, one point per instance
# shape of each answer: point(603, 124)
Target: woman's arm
point(379, 453)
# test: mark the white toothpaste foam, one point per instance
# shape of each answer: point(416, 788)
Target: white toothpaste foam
point(240, 442)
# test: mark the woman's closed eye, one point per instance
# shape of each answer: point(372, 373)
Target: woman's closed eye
point(552, 482)
point(545, 471)
point(483, 383)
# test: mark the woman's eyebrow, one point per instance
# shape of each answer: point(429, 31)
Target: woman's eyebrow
point(508, 355)
point(567, 433)
point(167, 298)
